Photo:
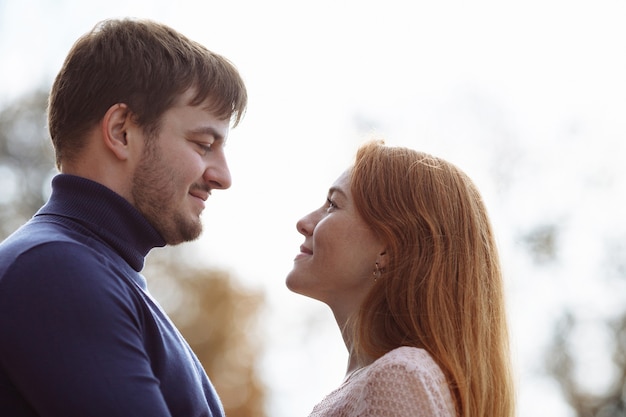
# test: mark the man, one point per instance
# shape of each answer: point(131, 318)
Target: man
point(138, 117)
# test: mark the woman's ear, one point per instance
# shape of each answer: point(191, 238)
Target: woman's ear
point(382, 259)
point(115, 127)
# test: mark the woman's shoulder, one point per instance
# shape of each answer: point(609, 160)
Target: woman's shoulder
point(408, 381)
point(411, 358)
point(411, 364)
point(404, 382)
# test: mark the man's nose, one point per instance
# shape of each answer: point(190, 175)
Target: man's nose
point(217, 174)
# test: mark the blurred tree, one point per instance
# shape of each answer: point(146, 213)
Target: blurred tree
point(561, 364)
point(217, 318)
point(561, 360)
point(26, 160)
point(215, 315)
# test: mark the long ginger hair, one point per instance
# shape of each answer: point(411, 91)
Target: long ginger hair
point(441, 289)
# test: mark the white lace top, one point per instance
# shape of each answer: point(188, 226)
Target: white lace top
point(405, 382)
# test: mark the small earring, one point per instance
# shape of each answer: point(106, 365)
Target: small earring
point(377, 272)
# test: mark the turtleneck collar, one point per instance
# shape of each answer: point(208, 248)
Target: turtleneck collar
point(105, 213)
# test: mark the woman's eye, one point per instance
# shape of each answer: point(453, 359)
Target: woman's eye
point(331, 204)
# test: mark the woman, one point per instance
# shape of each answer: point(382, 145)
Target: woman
point(404, 255)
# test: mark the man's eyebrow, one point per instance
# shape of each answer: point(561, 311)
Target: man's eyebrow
point(207, 131)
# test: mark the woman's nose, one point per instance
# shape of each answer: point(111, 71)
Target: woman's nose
point(306, 224)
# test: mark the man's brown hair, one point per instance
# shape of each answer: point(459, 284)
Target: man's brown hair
point(147, 66)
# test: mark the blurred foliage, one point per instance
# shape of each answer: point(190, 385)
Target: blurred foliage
point(542, 243)
point(561, 364)
point(561, 361)
point(214, 314)
point(217, 317)
point(26, 160)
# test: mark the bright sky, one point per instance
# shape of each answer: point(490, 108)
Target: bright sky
point(528, 98)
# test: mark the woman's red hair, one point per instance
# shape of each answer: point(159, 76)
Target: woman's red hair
point(441, 289)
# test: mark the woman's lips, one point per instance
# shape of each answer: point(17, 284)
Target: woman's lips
point(304, 252)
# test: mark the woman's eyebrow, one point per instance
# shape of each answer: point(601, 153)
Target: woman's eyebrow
point(337, 190)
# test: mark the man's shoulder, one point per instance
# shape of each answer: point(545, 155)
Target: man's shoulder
point(45, 254)
point(36, 239)
point(34, 233)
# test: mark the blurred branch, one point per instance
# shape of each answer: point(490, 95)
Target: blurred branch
point(560, 364)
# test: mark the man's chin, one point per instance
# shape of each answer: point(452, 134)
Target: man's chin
point(187, 232)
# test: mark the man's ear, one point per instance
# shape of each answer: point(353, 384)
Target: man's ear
point(115, 127)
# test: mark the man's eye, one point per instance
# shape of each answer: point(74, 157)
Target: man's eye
point(205, 147)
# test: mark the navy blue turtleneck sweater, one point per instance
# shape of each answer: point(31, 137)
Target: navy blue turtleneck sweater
point(79, 333)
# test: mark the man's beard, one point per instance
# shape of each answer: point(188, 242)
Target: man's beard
point(154, 195)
